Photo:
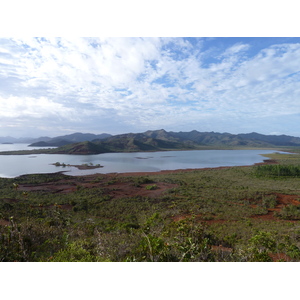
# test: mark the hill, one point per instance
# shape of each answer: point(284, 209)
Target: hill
point(68, 139)
point(161, 140)
point(197, 138)
point(276, 140)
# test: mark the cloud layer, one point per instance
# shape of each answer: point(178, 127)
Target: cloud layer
point(115, 85)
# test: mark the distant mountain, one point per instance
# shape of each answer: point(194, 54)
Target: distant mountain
point(9, 139)
point(219, 139)
point(39, 139)
point(81, 137)
point(156, 140)
point(68, 139)
point(194, 139)
point(57, 143)
point(226, 139)
point(276, 140)
point(79, 148)
point(161, 140)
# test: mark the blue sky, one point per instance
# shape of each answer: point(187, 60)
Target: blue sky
point(53, 86)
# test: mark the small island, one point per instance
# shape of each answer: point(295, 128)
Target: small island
point(80, 167)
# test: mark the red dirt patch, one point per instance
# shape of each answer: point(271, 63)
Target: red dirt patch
point(124, 189)
point(280, 256)
point(288, 199)
point(4, 222)
point(113, 185)
point(268, 216)
point(282, 201)
point(267, 162)
point(221, 248)
point(180, 217)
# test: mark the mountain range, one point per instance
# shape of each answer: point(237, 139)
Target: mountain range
point(159, 140)
point(56, 141)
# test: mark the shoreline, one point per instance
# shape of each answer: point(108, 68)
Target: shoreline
point(146, 173)
point(162, 172)
point(43, 150)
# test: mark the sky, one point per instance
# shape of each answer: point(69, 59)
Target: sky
point(54, 86)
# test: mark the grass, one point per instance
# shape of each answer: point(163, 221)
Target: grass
point(206, 209)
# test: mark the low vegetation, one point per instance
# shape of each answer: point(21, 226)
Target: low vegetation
point(239, 214)
point(278, 171)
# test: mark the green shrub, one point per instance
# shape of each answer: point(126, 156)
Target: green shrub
point(277, 171)
point(151, 187)
point(259, 247)
point(137, 181)
point(74, 253)
point(293, 251)
point(263, 240)
point(269, 201)
point(289, 212)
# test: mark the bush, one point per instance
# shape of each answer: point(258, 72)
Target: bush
point(277, 171)
point(260, 245)
point(151, 187)
point(289, 212)
point(74, 253)
point(141, 180)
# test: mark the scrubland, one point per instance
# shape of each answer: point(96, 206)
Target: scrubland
point(237, 214)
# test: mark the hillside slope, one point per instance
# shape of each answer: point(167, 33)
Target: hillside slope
point(69, 139)
point(161, 140)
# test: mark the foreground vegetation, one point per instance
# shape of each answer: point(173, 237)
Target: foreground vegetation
point(227, 214)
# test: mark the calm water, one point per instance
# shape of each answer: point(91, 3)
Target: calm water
point(16, 165)
point(15, 147)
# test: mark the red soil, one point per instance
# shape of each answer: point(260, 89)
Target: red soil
point(287, 199)
point(112, 185)
point(4, 222)
point(279, 257)
point(221, 248)
point(282, 201)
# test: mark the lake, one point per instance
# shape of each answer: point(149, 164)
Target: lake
point(16, 165)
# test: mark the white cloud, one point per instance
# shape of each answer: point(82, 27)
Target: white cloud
point(15, 107)
point(144, 81)
point(277, 61)
point(235, 49)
